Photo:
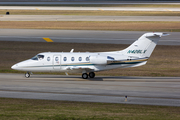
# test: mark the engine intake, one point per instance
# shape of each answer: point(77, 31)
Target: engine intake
point(98, 59)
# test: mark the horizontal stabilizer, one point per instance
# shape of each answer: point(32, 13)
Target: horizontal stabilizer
point(156, 34)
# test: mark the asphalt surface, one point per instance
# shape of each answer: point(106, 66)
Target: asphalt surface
point(81, 36)
point(85, 2)
point(139, 90)
point(85, 18)
point(89, 8)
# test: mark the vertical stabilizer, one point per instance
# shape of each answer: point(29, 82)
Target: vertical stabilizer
point(144, 46)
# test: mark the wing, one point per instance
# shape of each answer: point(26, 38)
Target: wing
point(79, 69)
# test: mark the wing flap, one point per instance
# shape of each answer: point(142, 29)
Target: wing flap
point(79, 68)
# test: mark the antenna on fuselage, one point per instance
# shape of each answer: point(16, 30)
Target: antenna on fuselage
point(72, 50)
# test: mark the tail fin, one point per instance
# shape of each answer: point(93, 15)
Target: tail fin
point(144, 46)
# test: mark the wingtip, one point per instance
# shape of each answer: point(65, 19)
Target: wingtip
point(165, 34)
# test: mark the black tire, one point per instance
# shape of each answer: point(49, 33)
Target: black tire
point(84, 75)
point(7, 13)
point(27, 75)
point(91, 74)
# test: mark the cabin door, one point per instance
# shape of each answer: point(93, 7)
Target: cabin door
point(57, 62)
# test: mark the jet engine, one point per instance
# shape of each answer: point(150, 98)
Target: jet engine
point(98, 59)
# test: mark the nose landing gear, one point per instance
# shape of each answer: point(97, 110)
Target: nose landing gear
point(27, 75)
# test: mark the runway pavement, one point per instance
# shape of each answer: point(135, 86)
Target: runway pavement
point(90, 8)
point(101, 2)
point(139, 90)
point(85, 18)
point(81, 36)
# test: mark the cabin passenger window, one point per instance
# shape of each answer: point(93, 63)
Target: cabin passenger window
point(87, 58)
point(56, 59)
point(65, 58)
point(72, 59)
point(48, 59)
point(80, 58)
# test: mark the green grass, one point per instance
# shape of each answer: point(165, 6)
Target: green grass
point(17, 109)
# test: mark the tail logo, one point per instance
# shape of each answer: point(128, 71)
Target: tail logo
point(137, 51)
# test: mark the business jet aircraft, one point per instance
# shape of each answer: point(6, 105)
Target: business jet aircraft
point(135, 55)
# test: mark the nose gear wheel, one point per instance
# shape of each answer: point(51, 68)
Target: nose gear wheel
point(27, 75)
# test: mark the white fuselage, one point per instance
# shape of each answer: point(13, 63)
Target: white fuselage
point(73, 62)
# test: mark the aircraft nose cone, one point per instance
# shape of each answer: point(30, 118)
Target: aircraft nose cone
point(14, 66)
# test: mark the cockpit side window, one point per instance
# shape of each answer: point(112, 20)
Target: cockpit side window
point(38, 57)
point(34, 58)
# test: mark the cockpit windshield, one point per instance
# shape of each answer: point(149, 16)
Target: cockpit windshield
point(38, 57)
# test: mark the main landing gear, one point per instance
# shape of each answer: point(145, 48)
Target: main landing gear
point(85, 75)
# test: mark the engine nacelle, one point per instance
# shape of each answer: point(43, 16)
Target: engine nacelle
point(98, 59)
